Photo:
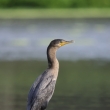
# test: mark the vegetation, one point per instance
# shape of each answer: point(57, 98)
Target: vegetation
point(55, 3)
point(21, 13)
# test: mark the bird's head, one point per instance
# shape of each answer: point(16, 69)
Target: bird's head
point(59, 43)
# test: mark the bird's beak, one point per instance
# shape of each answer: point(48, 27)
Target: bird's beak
point(66, 42)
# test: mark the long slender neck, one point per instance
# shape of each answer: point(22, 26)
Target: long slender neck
point(51, 56)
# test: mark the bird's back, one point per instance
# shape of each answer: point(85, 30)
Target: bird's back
point(41, 91)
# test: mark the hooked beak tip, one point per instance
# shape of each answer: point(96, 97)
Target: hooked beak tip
point(72, 41)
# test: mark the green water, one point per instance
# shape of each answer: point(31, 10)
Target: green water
point(81, 85)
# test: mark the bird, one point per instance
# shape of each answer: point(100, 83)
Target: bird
point(43, 88)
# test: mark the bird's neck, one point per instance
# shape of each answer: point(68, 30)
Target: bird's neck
point(52, 60)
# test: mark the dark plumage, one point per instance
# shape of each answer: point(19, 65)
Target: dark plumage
point(43, 87)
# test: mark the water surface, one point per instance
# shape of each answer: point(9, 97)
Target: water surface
point(82, 85)
point(28, 39)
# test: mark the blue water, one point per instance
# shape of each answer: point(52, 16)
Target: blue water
point(28, 39)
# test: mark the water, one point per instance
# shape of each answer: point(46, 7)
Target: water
point(28, 39)
point(81, 85)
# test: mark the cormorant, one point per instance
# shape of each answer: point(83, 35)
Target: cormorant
point(43, 87)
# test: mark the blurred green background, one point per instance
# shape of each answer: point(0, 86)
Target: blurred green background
point(80, 85)
point(27, 27)
point(55, 3)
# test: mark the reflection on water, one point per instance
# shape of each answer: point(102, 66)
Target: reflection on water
point(28, 39)
point(82, 85)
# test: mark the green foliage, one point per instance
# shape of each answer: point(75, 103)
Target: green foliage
point(54, 3)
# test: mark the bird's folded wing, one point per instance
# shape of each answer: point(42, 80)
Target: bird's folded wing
point(40, 88)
